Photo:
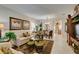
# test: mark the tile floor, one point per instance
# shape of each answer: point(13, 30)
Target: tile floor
point(60, 45)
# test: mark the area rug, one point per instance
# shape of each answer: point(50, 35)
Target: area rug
point(46, 50)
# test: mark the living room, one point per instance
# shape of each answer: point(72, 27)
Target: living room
point(9, 16)
point(34, 29)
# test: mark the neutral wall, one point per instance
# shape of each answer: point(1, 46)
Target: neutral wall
point(5, 13)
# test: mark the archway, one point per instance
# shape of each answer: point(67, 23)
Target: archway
point(58, 26)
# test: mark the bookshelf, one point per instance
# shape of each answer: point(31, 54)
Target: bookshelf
point(73, 41)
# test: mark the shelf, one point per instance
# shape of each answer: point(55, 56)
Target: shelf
point(75, 14)
point(74, 21)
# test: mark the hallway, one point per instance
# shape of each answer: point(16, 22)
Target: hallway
point(60, 45)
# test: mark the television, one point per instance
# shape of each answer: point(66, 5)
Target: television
point(77, 30)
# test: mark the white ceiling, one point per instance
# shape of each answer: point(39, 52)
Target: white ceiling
point(42, 11)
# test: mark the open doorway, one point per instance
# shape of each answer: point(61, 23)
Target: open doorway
point(58, 27)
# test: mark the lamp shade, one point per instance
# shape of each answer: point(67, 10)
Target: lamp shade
point(1, 26)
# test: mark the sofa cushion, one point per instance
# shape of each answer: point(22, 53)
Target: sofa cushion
point(1, 52)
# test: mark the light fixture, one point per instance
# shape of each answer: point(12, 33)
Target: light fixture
point(1, 27)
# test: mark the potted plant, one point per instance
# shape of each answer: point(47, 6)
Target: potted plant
point(41, 27)
point(11, 36)
point(36, 28)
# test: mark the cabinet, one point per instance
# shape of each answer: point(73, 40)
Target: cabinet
point(73, 41)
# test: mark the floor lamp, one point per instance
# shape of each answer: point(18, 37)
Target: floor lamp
point(1, 27)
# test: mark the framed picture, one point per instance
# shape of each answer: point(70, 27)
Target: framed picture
point(15, 24)
point(25, 25)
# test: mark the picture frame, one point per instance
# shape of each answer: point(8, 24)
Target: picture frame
point(25, 25)
point(15, 23)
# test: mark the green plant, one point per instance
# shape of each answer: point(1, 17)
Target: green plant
point(40, 27)
point(10, 35)
point(36, 28)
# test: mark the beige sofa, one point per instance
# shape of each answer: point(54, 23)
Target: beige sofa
point(8, 46)
point(22, 40)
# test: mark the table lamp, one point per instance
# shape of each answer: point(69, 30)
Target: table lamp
point(1, 27)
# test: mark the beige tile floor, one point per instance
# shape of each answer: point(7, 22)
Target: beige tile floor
point(60, 45)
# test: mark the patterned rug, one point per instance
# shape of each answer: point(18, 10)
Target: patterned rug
point(31, 50)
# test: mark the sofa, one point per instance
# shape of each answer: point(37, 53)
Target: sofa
point(6, 48)
point(23, 38)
